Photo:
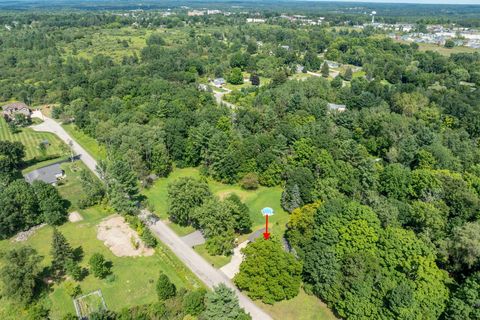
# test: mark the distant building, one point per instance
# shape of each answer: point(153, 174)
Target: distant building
point(195, 13)
point(218, 82)
point(214, 12)
point(336, 107)
point(10, 110)
point(50, 174)
point(332, 64)
point(255, 20)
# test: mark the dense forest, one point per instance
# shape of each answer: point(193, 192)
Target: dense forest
point(384, 197)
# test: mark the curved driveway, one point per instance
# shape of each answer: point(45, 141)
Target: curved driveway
point(201, 268)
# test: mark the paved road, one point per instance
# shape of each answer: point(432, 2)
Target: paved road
point(233, 267)
point(201, 268)
point(50, 125)
point(219, 98)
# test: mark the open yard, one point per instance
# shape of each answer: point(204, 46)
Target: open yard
point(133, 280)
point(31, 140)
point(256, 200)
point(302, 307)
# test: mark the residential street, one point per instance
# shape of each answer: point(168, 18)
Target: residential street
point(199, 266)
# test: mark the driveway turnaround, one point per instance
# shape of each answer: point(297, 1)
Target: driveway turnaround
point(199, 266)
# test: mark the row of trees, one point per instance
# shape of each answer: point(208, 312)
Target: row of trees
point(24, 205)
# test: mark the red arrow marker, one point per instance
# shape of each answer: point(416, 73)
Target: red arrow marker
point(266, 234)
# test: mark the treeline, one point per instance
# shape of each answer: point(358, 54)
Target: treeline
point(24, 205)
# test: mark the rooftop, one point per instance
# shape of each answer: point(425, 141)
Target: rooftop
point(48, 174)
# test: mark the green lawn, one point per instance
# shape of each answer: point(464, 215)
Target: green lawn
point(441, 49)
point(157, 197)
point(256, 200)
point(88, 143)
point(134, 277)
point(31, 140)
point(216, 261)
point(302, 307)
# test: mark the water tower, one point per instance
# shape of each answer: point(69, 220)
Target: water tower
point(373, 16)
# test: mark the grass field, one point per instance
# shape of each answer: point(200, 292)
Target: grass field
point(31, 140)
point(255, 200)
point(302, 307)
point(441, 49)
point(88, 143)
point(134, 277)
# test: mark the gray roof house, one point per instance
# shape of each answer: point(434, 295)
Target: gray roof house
point(336, 107)
point(10, 110)
point(50, 174)
point(219, 82)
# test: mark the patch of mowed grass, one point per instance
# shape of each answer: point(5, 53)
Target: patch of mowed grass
point(91, 145)
point(31, 140)
point(302, 307)
point(216, 261)
point(157, 196)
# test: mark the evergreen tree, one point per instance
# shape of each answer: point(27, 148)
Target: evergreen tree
point(291, 198)
point(325, 70)
point(348, 74)
point(165, 288)
point(222, 304)
point(161, 162)
point(99, 266)
point(240, 212)
point(61, 252)
point(255, 79)
point(122, 186)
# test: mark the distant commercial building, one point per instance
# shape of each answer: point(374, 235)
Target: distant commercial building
point(195, 13)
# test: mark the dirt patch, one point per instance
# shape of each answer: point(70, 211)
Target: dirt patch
point(117, 235)
point(24, 235)
point(74, 216)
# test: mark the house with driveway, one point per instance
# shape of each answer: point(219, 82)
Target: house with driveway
point(51, 174)
point(10, 110)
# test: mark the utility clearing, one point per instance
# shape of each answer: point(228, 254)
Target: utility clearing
point(117, 235)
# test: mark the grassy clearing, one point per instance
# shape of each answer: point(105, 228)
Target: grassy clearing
point(256, 200)
point(302, 307)
point(441, 49)
point(134, 277)
point(96, 150)
point(31, 140)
